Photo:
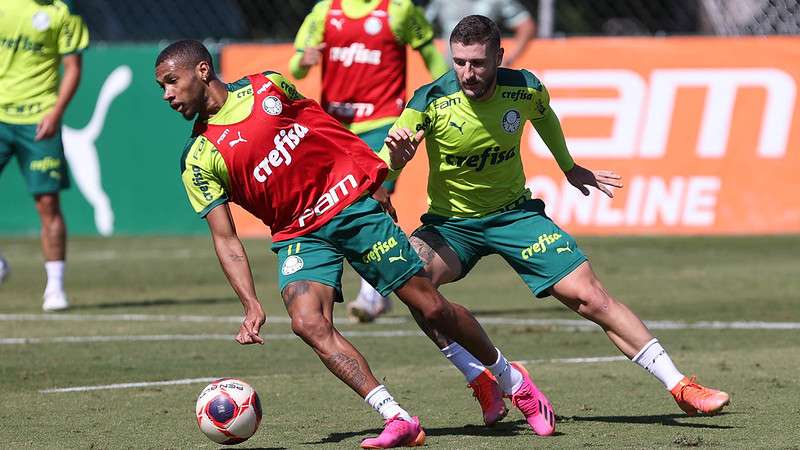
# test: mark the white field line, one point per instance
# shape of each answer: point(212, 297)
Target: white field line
point(186, 337)
point(570, 324)
point(586, 360)
point(127, 385)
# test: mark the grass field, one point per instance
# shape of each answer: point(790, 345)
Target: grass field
point(158, 309)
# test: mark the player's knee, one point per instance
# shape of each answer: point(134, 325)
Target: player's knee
point(594, 299)
point(311, 327)
point(437, 310)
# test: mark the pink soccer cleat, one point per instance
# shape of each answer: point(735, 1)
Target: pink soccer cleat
point(534, 405)
point(489, 396)
point(398, 433)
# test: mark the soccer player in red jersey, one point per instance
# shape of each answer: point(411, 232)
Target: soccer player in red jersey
point(361, 47)
point(257, 142)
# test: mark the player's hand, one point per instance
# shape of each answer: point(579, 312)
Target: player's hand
point(402, 144)
point(382, 196)
point(581, 177)
point(48, 127)
point(254, 318)
point(312, 56)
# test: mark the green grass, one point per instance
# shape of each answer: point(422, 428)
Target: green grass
point(610, 405)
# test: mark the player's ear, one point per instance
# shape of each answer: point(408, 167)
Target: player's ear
point(203, 71)
point(500, 53)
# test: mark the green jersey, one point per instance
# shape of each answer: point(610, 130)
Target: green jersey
point(33, 37)
point(473, 147)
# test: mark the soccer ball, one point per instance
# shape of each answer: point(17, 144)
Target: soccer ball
point(228, 411)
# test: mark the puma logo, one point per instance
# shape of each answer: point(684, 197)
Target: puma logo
point(458, 127)
point(237, 140)
point(563, 249)
point(80, 149)
point(337, 23)
point(397, 258)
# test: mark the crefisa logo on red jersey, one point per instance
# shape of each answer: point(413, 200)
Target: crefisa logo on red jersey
point(280, 155)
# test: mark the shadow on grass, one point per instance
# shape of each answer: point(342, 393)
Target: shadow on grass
point(255, 448)
point(151, 302)
point(666, 419)
point(510, 428)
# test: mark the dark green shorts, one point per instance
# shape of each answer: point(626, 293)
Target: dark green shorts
point(42, 163)
point(374, 139)
point(364, 235)
point(535, 247)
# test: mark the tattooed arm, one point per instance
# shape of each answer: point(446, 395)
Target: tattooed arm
point(233, 260)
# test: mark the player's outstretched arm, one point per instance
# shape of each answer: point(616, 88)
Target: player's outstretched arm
point(233, 260)
point(581, 177)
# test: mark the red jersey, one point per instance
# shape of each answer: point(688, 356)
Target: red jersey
point(290, 164)
point(363, 66)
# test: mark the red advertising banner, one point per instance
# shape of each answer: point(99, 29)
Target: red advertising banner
point(704, 131)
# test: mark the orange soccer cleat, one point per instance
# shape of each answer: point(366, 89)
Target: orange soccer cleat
point(693, 398)
point(486, 390)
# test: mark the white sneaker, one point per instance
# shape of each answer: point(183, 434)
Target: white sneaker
point(5, 269)
point(55, 301)
point(363, 310)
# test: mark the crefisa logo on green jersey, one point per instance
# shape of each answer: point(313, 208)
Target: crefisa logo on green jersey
point(491, 156)
point(519, 94)
point(200, 182)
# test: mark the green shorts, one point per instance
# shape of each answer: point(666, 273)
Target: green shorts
point(363, 234)
point(42, 163)
point(374, 139)
point(535, 247)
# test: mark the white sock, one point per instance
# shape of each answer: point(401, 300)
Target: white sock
point(653, 358)
point(55, 275)
point(383, 402)
point(368, 293)
point(464, 361)
point(509, 378)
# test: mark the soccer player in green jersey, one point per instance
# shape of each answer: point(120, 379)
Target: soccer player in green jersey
point(472, 119)
point(35, 38)
point(361, 47)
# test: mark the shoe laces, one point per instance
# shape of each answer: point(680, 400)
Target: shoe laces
point(394, 422)
point(525, 400)
point(693, 390)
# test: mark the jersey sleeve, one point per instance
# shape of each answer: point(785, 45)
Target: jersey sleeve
point(409, 24)
point(546, 123)
point(204, 176)
point(284, 85)
point(73, 35)
point(310, 33)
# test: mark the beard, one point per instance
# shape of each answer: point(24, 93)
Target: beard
point(478, 89)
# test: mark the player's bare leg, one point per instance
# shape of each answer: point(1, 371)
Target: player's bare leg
point(583, 292)
point(54, 249)
point(310, 307)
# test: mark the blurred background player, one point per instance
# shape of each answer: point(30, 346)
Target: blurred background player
point(480, 205)
point(361, 45)
point(260, 144)
point(37, 37)
point(510, 14)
